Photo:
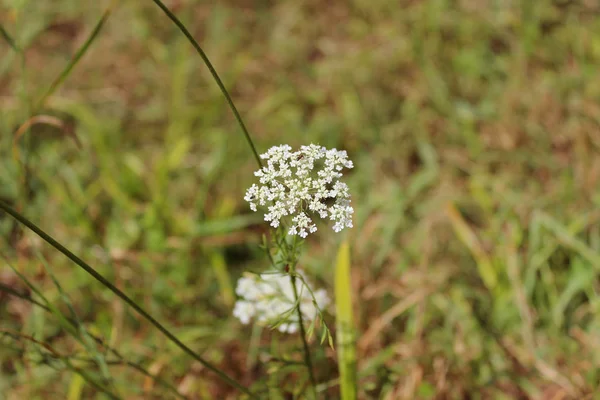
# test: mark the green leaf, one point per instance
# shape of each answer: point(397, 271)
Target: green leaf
point(219, 265)
point(178, 152)
point(467, 236)
point(345, 324)
point(76, 387)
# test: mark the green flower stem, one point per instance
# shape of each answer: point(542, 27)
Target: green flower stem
point(214, 74)
point(87, 268)
point(307, 357)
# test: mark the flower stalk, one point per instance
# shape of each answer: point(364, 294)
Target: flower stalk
point(307, 356)
point(296, 188)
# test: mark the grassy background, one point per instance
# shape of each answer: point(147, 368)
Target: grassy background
point(474, 129)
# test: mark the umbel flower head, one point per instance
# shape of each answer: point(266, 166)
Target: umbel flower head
point(268, 298)
point(303, 184)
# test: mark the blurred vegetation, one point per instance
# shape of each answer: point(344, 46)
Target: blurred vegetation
point(474, 127)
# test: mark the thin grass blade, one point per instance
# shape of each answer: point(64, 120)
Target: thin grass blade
point(466, 235)
point(121, 359)
point(6, 36)
point(87, 268)
point(84, 338)
point(89, 378)
point(73, 62)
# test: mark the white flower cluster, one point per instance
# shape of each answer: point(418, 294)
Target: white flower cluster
point(298, 184)
point(269, 299)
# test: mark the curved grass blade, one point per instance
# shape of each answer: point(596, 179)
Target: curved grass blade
point(213, 72)
point(82, 50)
point(344, 322)
point(87, 268)
point(40, 119)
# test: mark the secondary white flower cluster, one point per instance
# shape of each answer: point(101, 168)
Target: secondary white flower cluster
point(299, 184)
point(269, 297)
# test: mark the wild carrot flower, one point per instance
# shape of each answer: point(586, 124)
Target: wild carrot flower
point(302, 184)
point(268, 298)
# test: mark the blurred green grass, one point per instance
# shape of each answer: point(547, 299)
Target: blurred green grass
point(474, 128)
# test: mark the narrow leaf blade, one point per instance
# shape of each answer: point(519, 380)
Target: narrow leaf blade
point(345, 324)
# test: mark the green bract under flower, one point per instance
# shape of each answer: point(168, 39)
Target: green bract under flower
point(302, 184)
